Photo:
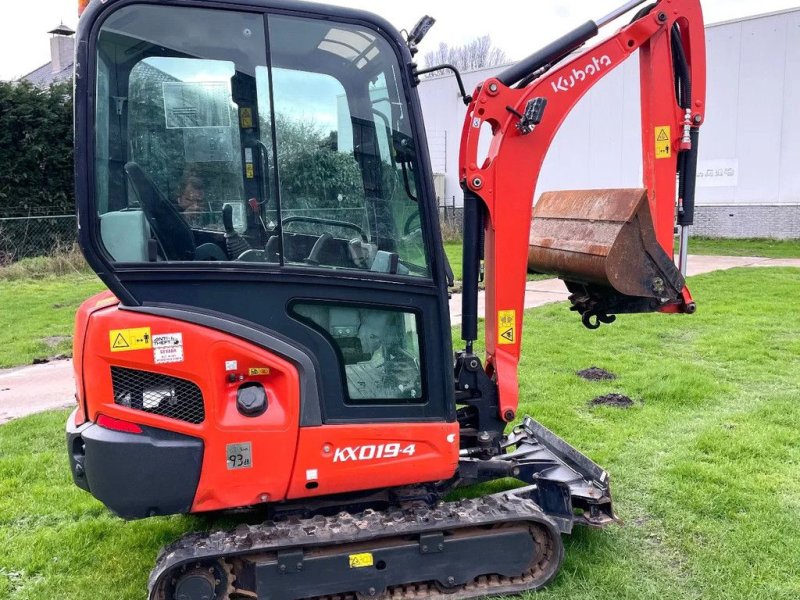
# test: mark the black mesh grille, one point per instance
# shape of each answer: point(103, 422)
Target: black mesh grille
point(158, 394)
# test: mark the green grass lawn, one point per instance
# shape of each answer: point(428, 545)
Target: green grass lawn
point(697, 245)
point(453, 251)
point(37, 314)
point(746, 247)
point(704, 467)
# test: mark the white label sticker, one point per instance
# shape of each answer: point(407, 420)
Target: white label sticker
point(231, 365)
point(312, 474)
point(168, 348)
point(239, 456)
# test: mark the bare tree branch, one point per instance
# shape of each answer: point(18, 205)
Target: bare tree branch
point(476, 54)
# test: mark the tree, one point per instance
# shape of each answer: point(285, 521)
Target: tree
point(36, 149)
point(313, 173)
point(477, 54)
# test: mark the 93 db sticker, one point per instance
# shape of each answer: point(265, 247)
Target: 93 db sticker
point(168, 348)
point(240, 456)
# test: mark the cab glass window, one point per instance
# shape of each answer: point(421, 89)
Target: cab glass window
point(211, 145)
point(378, 351)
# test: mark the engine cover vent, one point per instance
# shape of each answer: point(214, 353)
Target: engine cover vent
point(158, 394)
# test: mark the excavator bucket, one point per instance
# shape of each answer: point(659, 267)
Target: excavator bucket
point(603, 245)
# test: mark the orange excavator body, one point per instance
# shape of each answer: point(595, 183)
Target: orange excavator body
point(277, 336)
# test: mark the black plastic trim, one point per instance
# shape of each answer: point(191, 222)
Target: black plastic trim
point(136, 475)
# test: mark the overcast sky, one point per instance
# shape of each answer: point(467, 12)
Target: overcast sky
point(518, 27)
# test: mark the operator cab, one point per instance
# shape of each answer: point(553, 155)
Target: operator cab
point(222, 136)
point(268, 163)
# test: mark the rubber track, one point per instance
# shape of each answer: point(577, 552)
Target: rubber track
point(379, 526)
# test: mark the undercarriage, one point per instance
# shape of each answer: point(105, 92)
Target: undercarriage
point(417, 547)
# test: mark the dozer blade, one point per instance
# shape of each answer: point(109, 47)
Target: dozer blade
point(568, 486)
point(603, 245)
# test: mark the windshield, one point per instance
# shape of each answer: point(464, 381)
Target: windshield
point(229, 137)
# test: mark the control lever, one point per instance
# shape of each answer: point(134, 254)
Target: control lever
point(235, 244)
point(256, 208)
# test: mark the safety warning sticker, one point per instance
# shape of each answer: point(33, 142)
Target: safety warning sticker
point(246, 117)
point(123, 340)
point(506, 327)
point(663, 142)
point(258, 371)
point(359, 561)
point(168, 348)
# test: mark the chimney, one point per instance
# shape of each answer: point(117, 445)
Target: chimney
point(62, 48)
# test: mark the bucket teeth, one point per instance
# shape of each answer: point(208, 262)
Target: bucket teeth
point(603, 245)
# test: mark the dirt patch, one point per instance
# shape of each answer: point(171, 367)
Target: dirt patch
point(615, 400)
point(596, 374)
point(44, 361)
point(55, 340)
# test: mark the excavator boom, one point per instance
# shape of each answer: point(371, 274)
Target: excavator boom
point(613, 248)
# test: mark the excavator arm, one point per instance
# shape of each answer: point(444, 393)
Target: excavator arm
point(613, 248)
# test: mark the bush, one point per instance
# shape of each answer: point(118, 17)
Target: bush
point(36, 149)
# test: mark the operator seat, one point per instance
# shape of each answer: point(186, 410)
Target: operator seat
point(173, 233)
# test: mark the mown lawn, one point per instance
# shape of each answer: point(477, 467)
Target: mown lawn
point(37, 315)
point(454, 250)
point(704, 466)
point(745, 247)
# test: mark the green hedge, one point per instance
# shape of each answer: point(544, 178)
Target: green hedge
point(35, 150)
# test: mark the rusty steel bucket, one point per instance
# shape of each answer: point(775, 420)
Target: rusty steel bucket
point(602, 243)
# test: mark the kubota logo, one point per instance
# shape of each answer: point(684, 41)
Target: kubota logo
point(373, 452)
point(566, 83)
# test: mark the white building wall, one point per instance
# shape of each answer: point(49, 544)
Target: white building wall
point(749, 145)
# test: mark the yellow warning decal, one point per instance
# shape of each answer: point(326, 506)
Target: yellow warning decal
point(359, 561)
point(255, 372)
point(250, 171)
point(663, 142)
point(246, 117)
point(123, 340)
point(506, 327)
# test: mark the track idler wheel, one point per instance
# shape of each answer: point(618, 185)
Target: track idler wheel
point(202, 581)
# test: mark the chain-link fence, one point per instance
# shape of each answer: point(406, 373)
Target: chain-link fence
point(451, 217)
point(31, 233)
point(26, 234)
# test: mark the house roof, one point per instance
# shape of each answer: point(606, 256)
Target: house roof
point(62, 30)
point(44, 76)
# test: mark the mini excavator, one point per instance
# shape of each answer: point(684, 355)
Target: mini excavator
point(255, 190)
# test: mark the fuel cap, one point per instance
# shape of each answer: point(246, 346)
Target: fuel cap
point(251, 399)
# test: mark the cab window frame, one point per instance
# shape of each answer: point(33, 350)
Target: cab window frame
point(431, 241)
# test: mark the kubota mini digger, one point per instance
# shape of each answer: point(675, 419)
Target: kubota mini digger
point(255, 190)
